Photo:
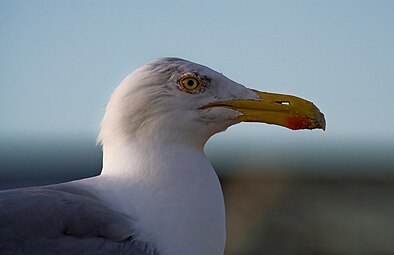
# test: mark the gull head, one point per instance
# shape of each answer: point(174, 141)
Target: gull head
point(175, 100)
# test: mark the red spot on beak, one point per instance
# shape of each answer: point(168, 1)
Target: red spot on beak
point(298, 122)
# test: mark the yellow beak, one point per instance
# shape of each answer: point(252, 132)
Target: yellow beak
point(283, 110)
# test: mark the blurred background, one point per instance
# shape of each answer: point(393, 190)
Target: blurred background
point(304, 192)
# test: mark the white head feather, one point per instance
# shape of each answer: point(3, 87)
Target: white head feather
point(149, 104)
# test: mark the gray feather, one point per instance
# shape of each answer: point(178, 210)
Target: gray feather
point(63, 219)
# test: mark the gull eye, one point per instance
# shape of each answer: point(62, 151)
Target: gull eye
point(190, 84)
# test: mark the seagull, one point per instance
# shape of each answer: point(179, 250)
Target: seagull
point(157, 193)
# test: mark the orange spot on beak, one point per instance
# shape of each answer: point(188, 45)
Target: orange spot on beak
point(298, 122)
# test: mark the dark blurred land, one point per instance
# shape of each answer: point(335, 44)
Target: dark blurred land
point(322, 199)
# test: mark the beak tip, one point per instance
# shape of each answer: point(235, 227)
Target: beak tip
point(321, 122)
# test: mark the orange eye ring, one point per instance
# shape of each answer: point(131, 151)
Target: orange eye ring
point(190, 84)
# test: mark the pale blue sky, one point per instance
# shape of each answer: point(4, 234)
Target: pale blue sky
point(60, 60)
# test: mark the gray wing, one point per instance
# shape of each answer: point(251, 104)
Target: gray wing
point(62, 219)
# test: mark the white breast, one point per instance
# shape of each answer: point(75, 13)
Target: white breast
point(174, 194)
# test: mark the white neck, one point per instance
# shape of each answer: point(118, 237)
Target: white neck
point(172, 191)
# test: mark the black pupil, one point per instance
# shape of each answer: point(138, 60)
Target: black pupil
point(190, 83)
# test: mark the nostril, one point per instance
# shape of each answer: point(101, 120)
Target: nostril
point(283, 102)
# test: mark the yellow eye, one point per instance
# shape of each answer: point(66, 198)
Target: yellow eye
point(189, 84)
